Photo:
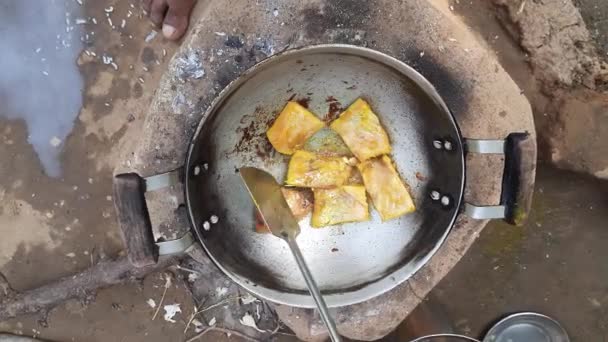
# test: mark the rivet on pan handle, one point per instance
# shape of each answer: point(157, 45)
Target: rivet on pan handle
point(517, 181)
point(134, 220)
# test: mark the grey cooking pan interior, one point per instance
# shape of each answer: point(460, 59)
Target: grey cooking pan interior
point(353, 262)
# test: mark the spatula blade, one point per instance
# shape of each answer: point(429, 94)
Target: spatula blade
point(268, 198)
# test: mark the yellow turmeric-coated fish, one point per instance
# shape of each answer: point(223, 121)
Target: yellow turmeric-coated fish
point(385, 187)
point(311, 170)
point(362, 132)
point(292, 128)
point(339, 205)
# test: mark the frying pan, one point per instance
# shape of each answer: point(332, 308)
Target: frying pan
point(352, 262)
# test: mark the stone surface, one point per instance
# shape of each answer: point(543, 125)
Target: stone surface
point(105, 136)
point(595, 15)
point(560, 46)
point(426, 35)
point(306, 324)
point(580, 136)
point(568, 68)
point(370, 320)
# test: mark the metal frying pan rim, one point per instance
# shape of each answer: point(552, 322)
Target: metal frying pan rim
point(369, 290)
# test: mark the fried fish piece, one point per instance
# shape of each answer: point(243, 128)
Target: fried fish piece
point(339, 205)
point(327, 142)
point(355, 177)
point(362, 132)
point(299, 201)
point(292, 128)
point(386, 189)
point(311, 170)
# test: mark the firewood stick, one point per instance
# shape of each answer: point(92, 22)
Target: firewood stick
point(80, 285)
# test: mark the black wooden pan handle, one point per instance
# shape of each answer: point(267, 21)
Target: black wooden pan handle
point(134, 219)
point(518, 177)
point(519, 150)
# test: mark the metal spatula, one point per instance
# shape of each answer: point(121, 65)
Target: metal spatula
point(277, 216)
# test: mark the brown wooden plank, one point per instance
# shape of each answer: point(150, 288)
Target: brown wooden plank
point(134, 220)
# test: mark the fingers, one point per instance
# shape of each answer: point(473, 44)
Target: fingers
point(147, 4)
point(177, 17)
point(172, 15)
point(158, 9)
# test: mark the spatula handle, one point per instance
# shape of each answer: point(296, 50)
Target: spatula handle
point(314, 291)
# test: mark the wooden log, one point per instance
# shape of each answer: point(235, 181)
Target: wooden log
point(81, 285)
point(134, 220)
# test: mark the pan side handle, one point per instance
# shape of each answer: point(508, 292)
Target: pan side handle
point(518, 177)
point(134, 220)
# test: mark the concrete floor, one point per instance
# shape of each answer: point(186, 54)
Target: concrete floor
point(554, 264)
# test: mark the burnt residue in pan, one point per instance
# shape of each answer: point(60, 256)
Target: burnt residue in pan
point(334, 110)
point(253, 134)
point(264, 149)
point(247, 134)
point(304, 102)
point(352, 87)
point(421, 177)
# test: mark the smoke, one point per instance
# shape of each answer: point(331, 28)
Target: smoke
point(39, 79)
